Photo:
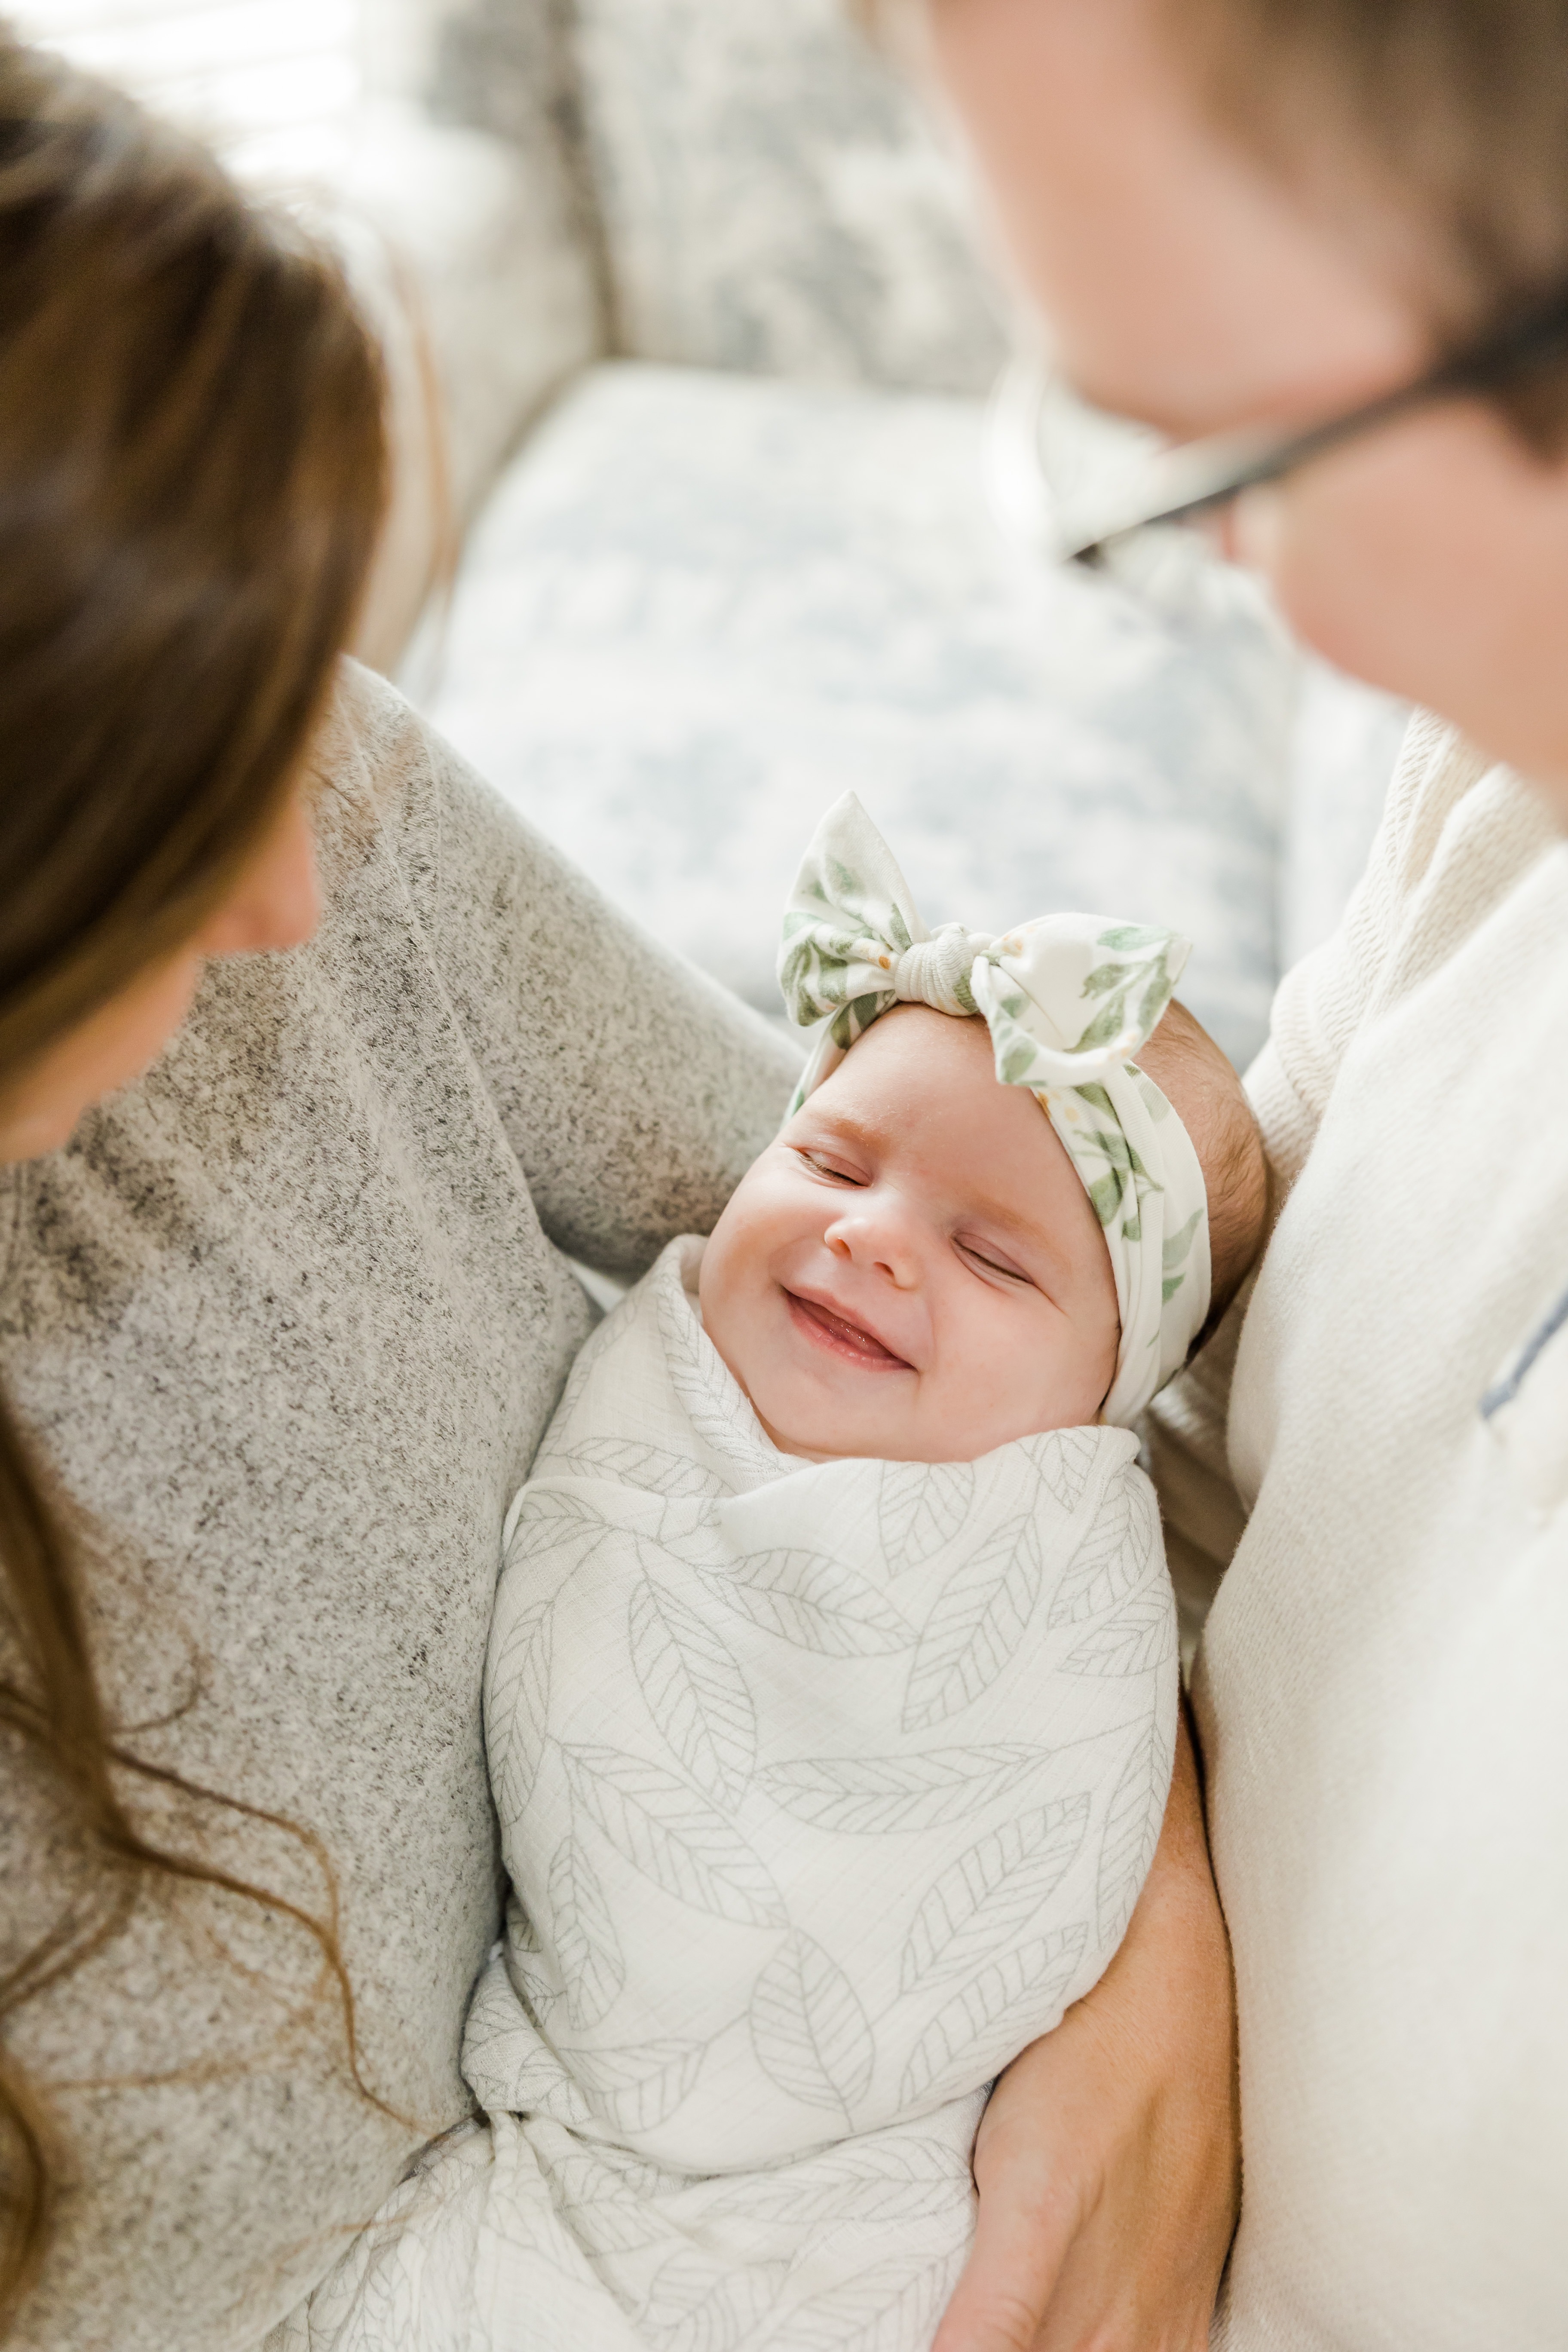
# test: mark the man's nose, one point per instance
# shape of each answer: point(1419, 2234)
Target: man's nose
point(877, 1240)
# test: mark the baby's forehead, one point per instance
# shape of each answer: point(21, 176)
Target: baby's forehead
point(915, 1046)
point(914, 1069)
point(931, 1096)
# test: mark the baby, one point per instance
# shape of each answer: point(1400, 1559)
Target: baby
point(832, 1689)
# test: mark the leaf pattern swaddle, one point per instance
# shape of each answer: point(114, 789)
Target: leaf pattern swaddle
point(823, 1788)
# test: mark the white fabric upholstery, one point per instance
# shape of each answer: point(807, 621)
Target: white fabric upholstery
point(494, 272)
point(776, 199)
point(699, 608)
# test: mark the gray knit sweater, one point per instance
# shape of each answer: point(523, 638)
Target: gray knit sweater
point(289, 1318)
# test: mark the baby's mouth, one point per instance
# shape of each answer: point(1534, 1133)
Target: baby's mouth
point(847, 1340)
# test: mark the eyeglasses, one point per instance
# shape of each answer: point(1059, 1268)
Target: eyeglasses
point(1180, 485)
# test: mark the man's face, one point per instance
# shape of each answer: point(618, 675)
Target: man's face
point(913, 1272)
point(1184, 286)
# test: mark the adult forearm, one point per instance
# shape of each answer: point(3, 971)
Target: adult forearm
point(1108, 2159)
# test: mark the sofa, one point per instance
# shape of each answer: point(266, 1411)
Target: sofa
point(694, 321)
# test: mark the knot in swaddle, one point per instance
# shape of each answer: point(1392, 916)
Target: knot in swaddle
point(1068, 1000)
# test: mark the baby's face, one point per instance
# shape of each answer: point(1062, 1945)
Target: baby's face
point(913, 1271)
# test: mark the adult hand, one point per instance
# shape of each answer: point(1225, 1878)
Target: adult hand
point(1108, 2159)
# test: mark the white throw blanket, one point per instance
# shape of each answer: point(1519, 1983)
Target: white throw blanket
point(824, 1788)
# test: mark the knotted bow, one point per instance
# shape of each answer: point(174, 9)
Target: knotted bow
point(1068, 1000)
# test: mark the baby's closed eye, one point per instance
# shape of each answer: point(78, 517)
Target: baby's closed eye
point(821, 1164)
point(986, 1258)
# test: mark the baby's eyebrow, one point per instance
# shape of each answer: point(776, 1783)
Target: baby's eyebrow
point(845, 1126)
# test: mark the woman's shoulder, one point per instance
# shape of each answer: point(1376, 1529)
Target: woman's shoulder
point(386, 775)
point(368, 720)
point(467, 871)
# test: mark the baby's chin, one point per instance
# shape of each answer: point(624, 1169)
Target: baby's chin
point(841, 1435)
point(832, 1413)
point(814, 1411)
point(815, 1433)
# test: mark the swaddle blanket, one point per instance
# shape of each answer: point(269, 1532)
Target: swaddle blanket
point(823, 1788)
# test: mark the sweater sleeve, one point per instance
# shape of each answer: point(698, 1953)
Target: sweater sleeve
point(1318, 1008)
point(635, 1090)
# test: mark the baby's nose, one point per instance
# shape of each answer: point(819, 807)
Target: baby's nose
point(877, 1245)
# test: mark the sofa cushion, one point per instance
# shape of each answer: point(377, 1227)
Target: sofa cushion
point(699, 608)
point(484, 233)
point(775, 199)
point(462, 251)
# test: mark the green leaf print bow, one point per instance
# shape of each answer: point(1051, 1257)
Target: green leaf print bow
point(1068, 1000)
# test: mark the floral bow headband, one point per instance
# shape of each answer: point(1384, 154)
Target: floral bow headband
point(1068, 1000)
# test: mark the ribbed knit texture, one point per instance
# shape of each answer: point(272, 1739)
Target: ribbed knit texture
point(1380, 1687)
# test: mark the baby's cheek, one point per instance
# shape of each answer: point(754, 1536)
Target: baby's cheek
point(1031, 1372)
point(1088, 1369)
point(744, 1316)
point(982, 1377)
point(722, 1297)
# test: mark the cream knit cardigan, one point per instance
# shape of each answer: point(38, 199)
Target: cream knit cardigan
point(1382, 1685)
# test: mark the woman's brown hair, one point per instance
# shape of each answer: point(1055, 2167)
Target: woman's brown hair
point(192, 479)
